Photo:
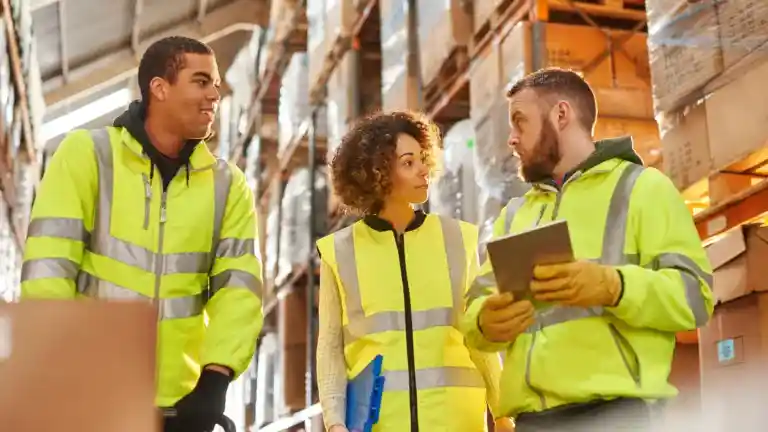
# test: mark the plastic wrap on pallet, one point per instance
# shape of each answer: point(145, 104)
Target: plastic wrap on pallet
point(399, 85)
point(684, 50)
point(271, 236)
point(443, 26)
point(294, 224)
point(342, 104)
point(243, 73)
point(496, 169)
point(294, 101)
point(10, 257)
point(454, 193)
point(317, 44)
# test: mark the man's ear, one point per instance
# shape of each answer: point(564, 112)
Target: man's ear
point(563, 111)
point(158, 87)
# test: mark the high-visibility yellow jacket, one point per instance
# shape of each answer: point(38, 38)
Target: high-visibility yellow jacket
point(390, 283)
point(620, 214)
point(101, 229)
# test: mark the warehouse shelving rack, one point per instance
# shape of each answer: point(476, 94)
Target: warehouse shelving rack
point(748, 205)
point(8, 166)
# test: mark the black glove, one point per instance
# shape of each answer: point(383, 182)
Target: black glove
point(201, 409)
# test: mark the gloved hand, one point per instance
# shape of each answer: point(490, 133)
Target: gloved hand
point(199, 410)
point(580, 283)
point(502, 318)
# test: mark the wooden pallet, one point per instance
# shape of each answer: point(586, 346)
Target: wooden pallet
point(454, 65)
point(494, 21)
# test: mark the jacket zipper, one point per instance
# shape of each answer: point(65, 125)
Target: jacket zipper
point(400, 240)
point(159, 255)
point(555, 210)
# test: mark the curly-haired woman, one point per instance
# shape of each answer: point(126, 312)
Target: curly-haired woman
point(393, 284)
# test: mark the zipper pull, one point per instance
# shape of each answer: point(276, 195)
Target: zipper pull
point(147, 201)
point(162, 209)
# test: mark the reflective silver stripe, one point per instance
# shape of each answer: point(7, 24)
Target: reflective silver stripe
point(123, 251)
point(395, 321)
point(560, 314)
point(614, 239)
point(615, 233)
point(234, 248)
point(682, 263)
point(431, 378)
point(359, 325)
point(45, 268)
point(65, 228)
point(346, 265)
point(170, 308)
point(691, 273)
point(456, 260)
point(514, 205)
point(235, 279)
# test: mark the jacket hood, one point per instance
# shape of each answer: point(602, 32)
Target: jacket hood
point(621, 148)
point(133, 121)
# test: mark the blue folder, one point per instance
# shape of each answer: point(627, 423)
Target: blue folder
point(364, 397)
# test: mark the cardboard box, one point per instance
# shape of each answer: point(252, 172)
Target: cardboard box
point(443, 26)
point(738, 260)
point(686, 148)
point(734, 344)
point(485, 85)
point(618, 78)
point(743, 28)
point(734, 351)
point(340, 16)
point(684, 50)
point(482, 11)
point(644, 133)
point(736, 117)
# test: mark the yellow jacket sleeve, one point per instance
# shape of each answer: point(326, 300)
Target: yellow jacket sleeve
point(61, 220)
point(670, 290)
point(488, 364)
point(235, 309)
point(483, 285)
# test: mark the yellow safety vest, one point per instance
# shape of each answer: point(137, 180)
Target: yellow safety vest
point(101, 229)
point(575, 354)
point(389, 283)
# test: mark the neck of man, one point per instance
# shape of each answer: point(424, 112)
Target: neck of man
point(398, 214)
point(574, 152)
point(165, 140)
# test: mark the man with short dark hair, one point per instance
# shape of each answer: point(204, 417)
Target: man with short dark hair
point(143, 211)
point(593, 346)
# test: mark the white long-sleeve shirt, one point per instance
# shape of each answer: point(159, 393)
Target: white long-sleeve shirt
point(332, 366)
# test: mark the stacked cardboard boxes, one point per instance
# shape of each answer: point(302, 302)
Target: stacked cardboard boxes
point(717, 50)
point(444, 26)
point(734, 345)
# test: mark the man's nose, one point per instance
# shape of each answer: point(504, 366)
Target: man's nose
point(513, 140)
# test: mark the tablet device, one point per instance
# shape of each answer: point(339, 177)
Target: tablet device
point(514, 256)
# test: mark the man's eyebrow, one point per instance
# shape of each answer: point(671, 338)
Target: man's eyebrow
point(405, 154)
point(202, 75)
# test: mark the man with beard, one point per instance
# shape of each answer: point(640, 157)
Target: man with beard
point(595, 351)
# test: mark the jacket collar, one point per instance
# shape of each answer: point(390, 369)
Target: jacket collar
point(378, 224)
point(201, 158)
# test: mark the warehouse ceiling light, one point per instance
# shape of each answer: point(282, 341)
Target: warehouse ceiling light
point(87, 113)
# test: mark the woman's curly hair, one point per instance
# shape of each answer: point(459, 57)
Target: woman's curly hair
point(361, 168)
